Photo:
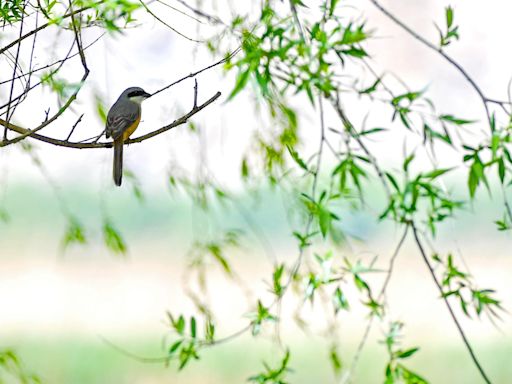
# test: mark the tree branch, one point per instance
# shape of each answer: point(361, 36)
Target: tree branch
point(452, 313)
point(382, 292)
point(15, 68)
point(485, 100)
point(353, 133)
point(77, 145)
point(43, 26)
point(32, 71)
point(166, 24)
point(194, 74)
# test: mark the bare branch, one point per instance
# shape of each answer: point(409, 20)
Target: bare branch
point(32, 71)
point(222, 61)
point(63, 143)
point(26, 90)
point(166, 24)
point(210, 18)
point(195, 93)
point(74, 126)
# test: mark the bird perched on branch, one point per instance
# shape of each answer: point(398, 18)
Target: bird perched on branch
point(122, 120)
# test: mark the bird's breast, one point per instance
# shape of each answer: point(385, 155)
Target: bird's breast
point(127, 133)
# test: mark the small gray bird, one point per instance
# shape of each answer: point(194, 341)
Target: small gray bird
point(122, 120)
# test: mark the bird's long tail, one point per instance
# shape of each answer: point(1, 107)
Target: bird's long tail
point(118, 161)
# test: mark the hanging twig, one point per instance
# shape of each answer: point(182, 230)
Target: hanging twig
point(445, 299)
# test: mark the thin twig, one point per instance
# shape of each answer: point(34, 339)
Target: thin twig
point(295, 14)
point(448, 58)
point(167, 25)
point(382, 292)
point(30, 64)
point(74, 126)
point(210, 18)
point(179, 11)
point(445, 299)
point(27, 90)
point(43, 26)
point(31, 132)
point(55, 62)
point(15, 68)
point(353, 133)
point(194, 74)
point(70, 100)
point(195, 93)
point(63, 143)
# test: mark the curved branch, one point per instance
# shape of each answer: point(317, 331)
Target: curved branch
point(167, 25)
point(382, 294)
point(485, 100)
point(445, 299)
point(63, 143)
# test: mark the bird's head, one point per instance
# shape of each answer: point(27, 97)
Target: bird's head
point(135, 94)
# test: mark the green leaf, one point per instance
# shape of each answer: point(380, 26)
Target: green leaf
point(436, 173)
point(454, 120)
point(241, 81)
point(407, 353)
point(113, 239)
point(369, 132)
point(324, 220)
point(372, 88)
point(273, 375)
point(393, 181)
point(193, 326)
point(353, 35)
point(495, 142)
point(340, 300)
point(244, 169)
point(449, 16)
point(175, 347)
point(501, 169)
point(476, 174)
point(335, 361)
point(430, 134)
point(74, 233)
point(216, 251)
point(332, 6)
point(407, 161)
point(4, 216)
point(297, 158)
point(179, 325)
point(355, 52)
point(209, 331)
point(187, 353)
point(100, 108)
point(276, 279)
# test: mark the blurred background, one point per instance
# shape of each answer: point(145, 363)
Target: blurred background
point(69, 312)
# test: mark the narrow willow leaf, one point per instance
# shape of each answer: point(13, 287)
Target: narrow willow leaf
point(297, 158)
point(113, 239)
point(241, 81)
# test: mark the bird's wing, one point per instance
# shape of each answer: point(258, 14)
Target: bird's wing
point(120, 117)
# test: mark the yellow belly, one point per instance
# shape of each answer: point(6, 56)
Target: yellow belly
point(127, 133)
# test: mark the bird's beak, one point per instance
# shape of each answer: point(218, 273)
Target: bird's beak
point(146, 95)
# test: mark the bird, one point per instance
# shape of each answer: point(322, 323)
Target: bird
point(123, 118)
